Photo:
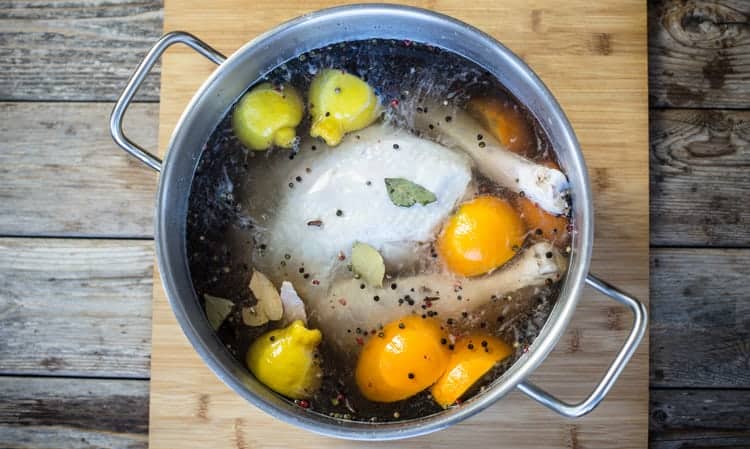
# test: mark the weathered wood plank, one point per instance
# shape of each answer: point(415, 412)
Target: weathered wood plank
point(688, 442)
point(61, 174)
point(80, 50)
point(80, 413)
point(75, 307)
point(700, 178)
point(700, 318)
point(699, 53)
point(700, 419)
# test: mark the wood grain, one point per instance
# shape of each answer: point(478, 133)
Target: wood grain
point(80, 50)
point(700, 318)
point(699, 53)
point(190, 408)
point(700, 162)
point(62, 175)
point(700, 419)
point(678, 57)
point(85, 413)
point(75, 307)
point(700, 443)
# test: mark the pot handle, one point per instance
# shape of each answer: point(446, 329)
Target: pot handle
point(135, 81)
point(614, 370)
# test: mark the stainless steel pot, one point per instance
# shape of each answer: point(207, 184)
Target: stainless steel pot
point(230, 79)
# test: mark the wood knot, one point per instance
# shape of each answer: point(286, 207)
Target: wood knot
point(717, 69)
point(575, 341)
point(203, 402)
point(53, 363)
point(536, 20)
point(601, 178)
point(719, 136)
point(571, 440)
point(659, 416)
point(703, 25)
point(614, 318)
point(239, 435)
point(602, 44)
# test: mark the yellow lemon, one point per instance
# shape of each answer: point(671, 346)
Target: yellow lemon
point(268, 115)
point(284, 360)
point(340, 103)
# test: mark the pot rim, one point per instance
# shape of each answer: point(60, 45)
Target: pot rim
point(551, 332)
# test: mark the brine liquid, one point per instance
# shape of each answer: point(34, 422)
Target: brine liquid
point(221, 234)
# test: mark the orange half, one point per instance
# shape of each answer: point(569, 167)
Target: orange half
point(471, 359)
point(482, 235)
point(405, 358)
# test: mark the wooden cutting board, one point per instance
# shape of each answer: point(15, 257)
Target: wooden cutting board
point(592, 55)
